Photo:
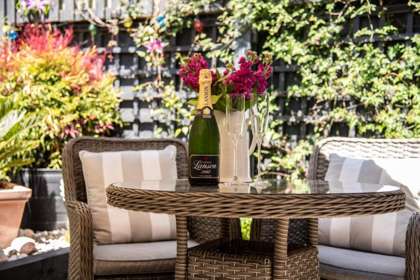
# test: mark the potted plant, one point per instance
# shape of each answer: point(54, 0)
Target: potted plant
point(13, 146)
point(68, 90)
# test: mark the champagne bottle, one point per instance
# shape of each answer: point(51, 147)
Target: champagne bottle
point(204, 137)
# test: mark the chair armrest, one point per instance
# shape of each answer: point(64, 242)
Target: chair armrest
point(412, 244)
point(81, 241)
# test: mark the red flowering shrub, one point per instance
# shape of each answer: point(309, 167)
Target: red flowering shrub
point(62, 84)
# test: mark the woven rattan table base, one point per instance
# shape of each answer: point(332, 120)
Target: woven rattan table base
point(248, 260)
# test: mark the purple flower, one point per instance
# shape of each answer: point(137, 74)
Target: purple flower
point(154, 45)
point(35, 4)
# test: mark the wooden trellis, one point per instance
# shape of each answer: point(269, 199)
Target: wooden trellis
point(130, 69)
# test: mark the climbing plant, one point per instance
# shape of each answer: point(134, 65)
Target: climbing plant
point(357, 77)
point(351, 61)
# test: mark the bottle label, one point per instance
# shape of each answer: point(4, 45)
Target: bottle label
point(204, 166)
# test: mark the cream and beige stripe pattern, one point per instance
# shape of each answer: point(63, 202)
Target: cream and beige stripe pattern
point(114, 225)
point(384, 233)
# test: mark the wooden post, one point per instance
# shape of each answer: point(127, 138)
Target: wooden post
point(99, 8)
point(11, 11)
point(55, 11)
point(68, 10)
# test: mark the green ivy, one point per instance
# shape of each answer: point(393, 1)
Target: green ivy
point(371, 84)
point(360, 79)
point(365, 79)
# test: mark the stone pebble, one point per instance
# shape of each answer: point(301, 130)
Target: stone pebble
point(29, 242)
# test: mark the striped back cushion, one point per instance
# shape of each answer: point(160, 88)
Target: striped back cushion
point(115, 225)
point(383, 233)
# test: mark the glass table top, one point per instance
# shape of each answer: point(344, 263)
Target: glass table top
point(279, 185)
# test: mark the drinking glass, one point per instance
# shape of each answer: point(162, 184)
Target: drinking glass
point(259, 124)
point(235, 126)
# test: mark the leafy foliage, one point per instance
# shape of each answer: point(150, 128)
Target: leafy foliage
point(356, 77)
point(353, 77)
point(63, 86)
point(14, 143)
point(352, 65)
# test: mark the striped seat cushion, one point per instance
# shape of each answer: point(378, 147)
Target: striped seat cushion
point(115, 225)
point(383, 233)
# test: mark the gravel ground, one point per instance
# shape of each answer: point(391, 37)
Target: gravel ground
point(33, 243)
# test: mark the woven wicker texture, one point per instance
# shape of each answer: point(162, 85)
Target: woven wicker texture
point(81, 245)
point(231, 205)
point(374, 148)
point(81, 257)
point(412, 266)
point(241, 260)
point(262, 230)
point(162, 276)
point(362, 148)
point(359, 148)
point(265, 206)
point(200, 227)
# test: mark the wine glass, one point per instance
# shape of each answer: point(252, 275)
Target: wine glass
point(235, 126)
point(259, 125)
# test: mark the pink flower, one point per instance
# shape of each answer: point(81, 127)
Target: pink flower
point(154, 45)
point(262, 74)
point(103, 128)
point(190, 71)
point(250, 78)
point(242, 81)
point(71, 131)
point(94, 64)
point(245, 80)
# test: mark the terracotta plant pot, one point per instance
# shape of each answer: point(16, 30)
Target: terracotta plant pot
point(12, 204)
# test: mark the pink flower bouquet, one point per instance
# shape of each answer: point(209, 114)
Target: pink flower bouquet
point(249, 79)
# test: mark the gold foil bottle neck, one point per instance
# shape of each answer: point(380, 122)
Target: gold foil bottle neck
point(205, 76)
point(204, 93)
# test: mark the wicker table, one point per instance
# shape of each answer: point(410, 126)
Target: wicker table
point(281, 201)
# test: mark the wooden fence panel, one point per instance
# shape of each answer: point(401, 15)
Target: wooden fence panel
point(55, 12)
point(65, 10)
point(112, 8)
point(3, 13)
point(11, 10)
point(99, 8)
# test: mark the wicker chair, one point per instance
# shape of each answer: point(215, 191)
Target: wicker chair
point(82, 262)
point(362, 148)
point(369, 148)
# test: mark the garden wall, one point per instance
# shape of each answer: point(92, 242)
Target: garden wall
point(296, 123)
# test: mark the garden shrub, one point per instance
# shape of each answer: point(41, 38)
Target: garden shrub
point(64, 86)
